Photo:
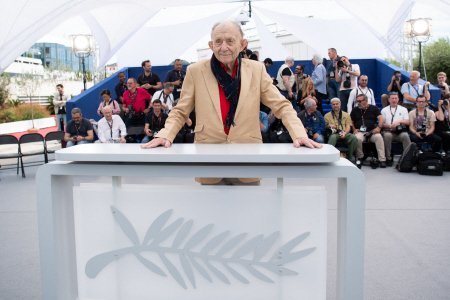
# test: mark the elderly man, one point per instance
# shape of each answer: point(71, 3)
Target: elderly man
point(226, 91)
point(319, 77)
point(412, 89)
point(149, 81)
point(176, 78)
point(59, 102)
point(111, 127)
point(135, 99)
point(422, 124)
point(340, 123)
point(313, 121)
point(395, 127)
point(347, 76)
point(79, 130)
point(361, 89)
point(166, 97)
point(364, 119)
point(333, 85)
point(286, 80)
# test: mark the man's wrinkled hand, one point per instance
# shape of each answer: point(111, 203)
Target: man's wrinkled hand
point(157, 142)
point(304, 141)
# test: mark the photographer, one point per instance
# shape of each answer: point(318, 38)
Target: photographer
point(313, 121)
point(412, 89)
point(166, 97)
point(442, 78)
point(186, 133)
point(395, 127)
point(299, 77)
point(134, 104)
point(333, 85)
point(361, 89)
point(268, 62)
point(309, 91)
point(422, 124)
point(364, 119)
point(107, 101)
point(338, 124)
point(443, 122)
point(149, 81)
point(111, 127)
point(278, 132)
point(154, 122)
point(176, 77)
point(78, 130)
point(319, 77)
point(286, 80)
point(347, 74)
point(394, 86)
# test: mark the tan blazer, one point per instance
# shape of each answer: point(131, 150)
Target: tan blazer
point(200, 89)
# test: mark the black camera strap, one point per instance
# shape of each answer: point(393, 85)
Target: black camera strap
point(339, 119)
point(424, 120)
point(409, 89)
point(131, 97)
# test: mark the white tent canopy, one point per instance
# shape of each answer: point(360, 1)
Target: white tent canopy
point(116, 24)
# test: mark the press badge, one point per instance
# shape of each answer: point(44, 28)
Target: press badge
point(179, 90)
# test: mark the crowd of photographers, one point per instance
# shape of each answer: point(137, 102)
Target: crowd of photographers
point(354, 119)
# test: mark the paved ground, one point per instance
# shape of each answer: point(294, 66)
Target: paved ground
point(407, 234)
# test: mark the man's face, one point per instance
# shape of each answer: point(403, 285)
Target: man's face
point(121, 77)
point(336, 106)
point(332, 54)
point(313, 107)
point(76, 118)
point(393, 100)
point(361, 102)
point(131, 84)
point(157, 107)
point(421, 102)
point(298, 70)
point(227, 43)
point(345, 60)
point(363, 80)
point(178, 65)
point(60, 89)
point(414, 77)
point(442, 79)
point(147, 67)
point(314, 62)
point(107, 113)
point(171, 90)
point(267, 64)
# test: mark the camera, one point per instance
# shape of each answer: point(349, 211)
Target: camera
point(275, 82)
point(332, 131)
point(74, 136)
point(131, 112)
point(340, 64)
point(310, 133)
point(154, 133)
point(432, 106)
point(397, 77)
point(374, 163)
point(423, 132)
point(347, 82)
point(401, 127)
point(445, 102)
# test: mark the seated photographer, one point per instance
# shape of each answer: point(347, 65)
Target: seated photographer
point(279, 132)
point(79, 130)
point(394, 86)
point(264, 126)
point(154, 122)
point(361, 89)
point(339, 124)
point(364, 119)
point(134, 104)
point(412, 89)
point(395, 127)
point(313, 121)
point(308, 91)
point(443, 123)
point(422, 123)
point(347, 74)
point(107, 101)
point(166, 97)
point(111, 128)
point(186, 133)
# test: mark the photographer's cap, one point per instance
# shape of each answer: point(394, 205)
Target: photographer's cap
point(335, 100)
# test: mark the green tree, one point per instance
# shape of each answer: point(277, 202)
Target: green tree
point(393, 61)
point(4, 90)
point(30, 55)
point(436, 58)
point(30, 83)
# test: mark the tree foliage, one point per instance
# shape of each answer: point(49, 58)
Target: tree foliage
point(393, 61)
point(4, 90)
point(437, 59)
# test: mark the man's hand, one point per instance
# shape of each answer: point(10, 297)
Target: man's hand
point(418, 134)
point(306, 142)
point(166, 106)
point(177, 83)
point(146, 110)
point(127, 110)
point(376, 130)
point(332, 126)
point(148, 131)
point(393, 78)
point(261, 126)
point(440, 102)
point(290, 95)
point(315, 136)
point(355, 131)
point(73, 139)
point(189, 122)
point(122, 140)
point(342, 135)
point(427, 83)
point(157, 142)
point(146, 86)
point(79, 138)
point(343, 70)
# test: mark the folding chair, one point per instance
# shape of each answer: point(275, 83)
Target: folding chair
point(52, 136)
point(11, 140)
point(31, 138)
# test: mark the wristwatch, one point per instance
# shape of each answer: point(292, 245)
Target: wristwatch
point(379, 126)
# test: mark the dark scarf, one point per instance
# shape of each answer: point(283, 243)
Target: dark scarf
point(229, 85)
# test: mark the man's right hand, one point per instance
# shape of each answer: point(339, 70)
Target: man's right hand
point(418, 135)
point(177, 83)
point(355, 131)
point(290, 95)
point(157, 142)
point(127, 110)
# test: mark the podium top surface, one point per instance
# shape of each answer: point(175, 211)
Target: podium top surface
point(199, 153)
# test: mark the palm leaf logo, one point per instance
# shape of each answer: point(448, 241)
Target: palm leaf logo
point(189, 259)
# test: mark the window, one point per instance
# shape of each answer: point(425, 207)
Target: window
point(47, 52)
point(47, 63)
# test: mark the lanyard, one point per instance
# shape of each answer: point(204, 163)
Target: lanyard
point(392, 114)
point(164, 96)
point(417, 91)
point(362, 114)
point(159, 120)
point(110, 126)
point(78, 128)
point(363, 92)
point(424, 118)
point(339, 119)
point(60, 97)
point(131, 97)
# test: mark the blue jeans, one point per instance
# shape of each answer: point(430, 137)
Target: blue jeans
point(343, 96)
point(320, 139)
point(58, 121)
point(146, 139)
point(70, 143)
point(293, 101)
point(333, 89)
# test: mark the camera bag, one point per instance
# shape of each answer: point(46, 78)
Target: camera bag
point(408, 159)
point(426, 155)
point(446, 161)
point(433, 167)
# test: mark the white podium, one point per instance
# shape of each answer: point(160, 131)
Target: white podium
point(69, 264)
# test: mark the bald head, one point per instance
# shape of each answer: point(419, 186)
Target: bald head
point(414, 77)
point(227, 25)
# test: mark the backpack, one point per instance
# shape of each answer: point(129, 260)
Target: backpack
point(408, 159)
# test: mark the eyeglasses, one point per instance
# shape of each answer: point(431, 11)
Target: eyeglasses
point(359, 101)
point(363, 79)
point(421, 101)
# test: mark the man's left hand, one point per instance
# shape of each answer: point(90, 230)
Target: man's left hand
point(315, 136)
point(79, 138)
point(122, 140)
point(342, 135)
point(376, 130)
point(146, 110)
point(427, 83)
point(306, 142)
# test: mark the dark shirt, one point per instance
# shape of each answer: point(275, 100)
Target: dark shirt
point(193, 119)
point(156, 123)
point(286, 72)
point(79, 129)
point(370, 117)
point(331, 67)
point(277, 125)
point(120, 89)
point(395, 89)
point(152, 79)
point(173, 76)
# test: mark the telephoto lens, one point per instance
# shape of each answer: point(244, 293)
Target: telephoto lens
point(445, 102)
point(340, 64)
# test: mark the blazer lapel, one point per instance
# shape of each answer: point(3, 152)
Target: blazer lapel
point(246, 78)
point(213, 88)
